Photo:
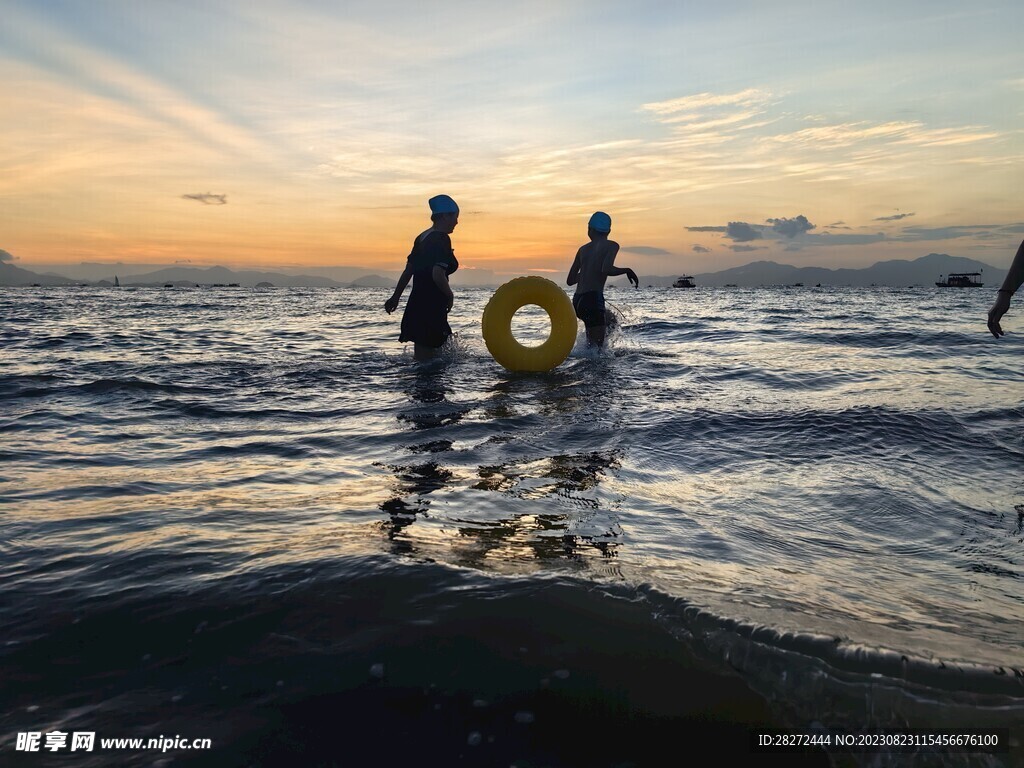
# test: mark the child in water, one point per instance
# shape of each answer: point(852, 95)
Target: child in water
point(593, 265)
point(430, 263)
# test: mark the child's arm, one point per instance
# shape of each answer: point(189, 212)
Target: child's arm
point(392, 304)
point(441, 281)
point(611, 270)
point(574, 271)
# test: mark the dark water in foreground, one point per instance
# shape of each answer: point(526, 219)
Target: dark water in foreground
point(249, 516)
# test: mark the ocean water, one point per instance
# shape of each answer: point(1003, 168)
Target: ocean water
point(250, 516)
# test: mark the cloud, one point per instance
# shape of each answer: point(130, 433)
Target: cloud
point(5, 256)
point(826, 239)
point(745, 248)
point(742, 232)
point(646, 250)
point(706, 229)
point(895, 217)
point(791, 227)
point(912, 133)
point(702, 101)
point(701, 249)
point(914, 234)
point(207, 199)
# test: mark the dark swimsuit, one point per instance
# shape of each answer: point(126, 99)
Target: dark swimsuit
point(589, 308)
point(425, 320)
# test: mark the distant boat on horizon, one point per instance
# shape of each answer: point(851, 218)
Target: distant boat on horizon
point(117, 283)
point(960, 280)
point(686, 281)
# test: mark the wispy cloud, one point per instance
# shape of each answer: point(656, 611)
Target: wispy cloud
point(206, 198)
point(646, 250)
point(702, 101)
point(949, 233)
point(894, 217)
point(826, 239)
point(701, 249)
point(897, 132)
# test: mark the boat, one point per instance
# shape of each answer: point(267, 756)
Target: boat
point(960, 280)
point(684, 282)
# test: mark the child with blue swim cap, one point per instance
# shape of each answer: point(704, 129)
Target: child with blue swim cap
point(431, 261)
point(593, 265)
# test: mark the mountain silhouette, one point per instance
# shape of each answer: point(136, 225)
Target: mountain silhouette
point(897, 272)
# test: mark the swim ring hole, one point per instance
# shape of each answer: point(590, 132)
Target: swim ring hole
point(531, 325)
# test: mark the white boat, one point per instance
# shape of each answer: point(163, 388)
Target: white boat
point(960, 280)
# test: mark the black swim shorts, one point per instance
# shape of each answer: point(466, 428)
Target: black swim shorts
point(589, 308)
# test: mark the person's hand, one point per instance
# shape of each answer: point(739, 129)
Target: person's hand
point(391, 304)
point(449, 303)
point(631, 276)
point(999, 308)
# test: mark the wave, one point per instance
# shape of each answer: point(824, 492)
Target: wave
point(745, 645)
point(821, 433)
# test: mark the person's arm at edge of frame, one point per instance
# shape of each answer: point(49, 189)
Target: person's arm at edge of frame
point(612, 271)
point(441, 281)
point(392, 304)
point(1013, 281)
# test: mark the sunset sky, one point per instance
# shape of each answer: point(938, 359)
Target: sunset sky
point(284, 134)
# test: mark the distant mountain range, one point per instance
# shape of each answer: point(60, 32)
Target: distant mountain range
point(923, 271)
point(900, 273)
point(12, 275)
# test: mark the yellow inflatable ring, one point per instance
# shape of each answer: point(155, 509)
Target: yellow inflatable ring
point(497, 324)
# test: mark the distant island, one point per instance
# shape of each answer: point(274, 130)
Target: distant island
point(923, 271)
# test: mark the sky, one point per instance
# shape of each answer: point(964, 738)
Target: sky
point(287, 134)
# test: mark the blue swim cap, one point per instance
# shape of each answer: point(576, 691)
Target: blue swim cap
point(442, 204)
point(601, 222)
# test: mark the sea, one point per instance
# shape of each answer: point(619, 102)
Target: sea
point(244, 527)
